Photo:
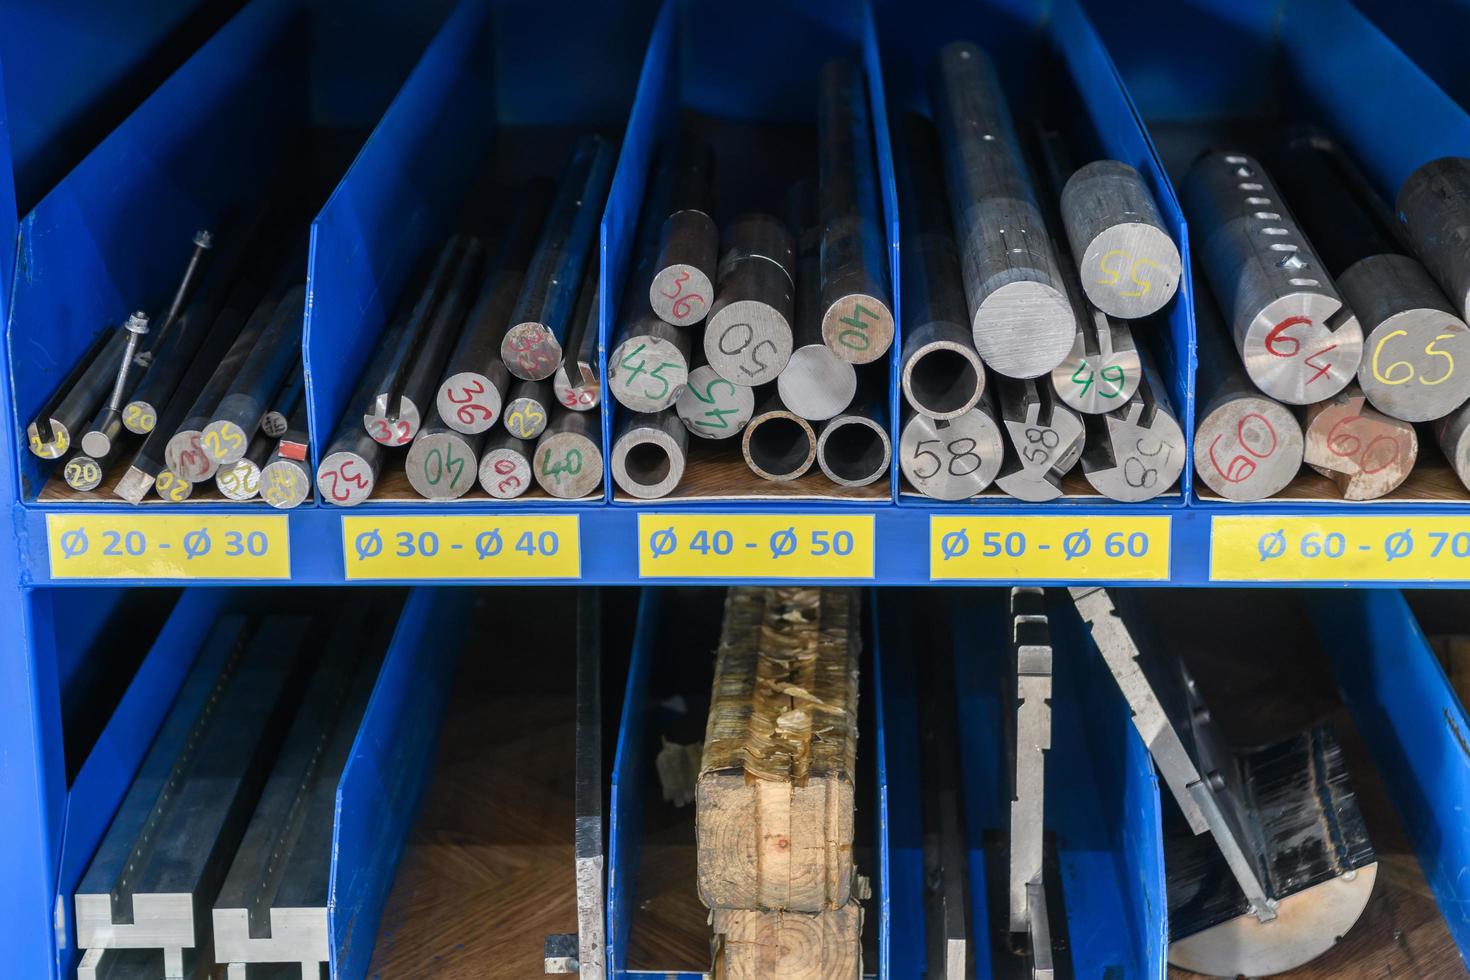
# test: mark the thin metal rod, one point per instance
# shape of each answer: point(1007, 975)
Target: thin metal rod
point(195, 268)
point(528, 409)
point(237, 417)
point(575, 382)
point(77, 398)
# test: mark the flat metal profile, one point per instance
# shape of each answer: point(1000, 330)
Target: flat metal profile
point(1031, 655)
point(166, 852)
point(273, 905)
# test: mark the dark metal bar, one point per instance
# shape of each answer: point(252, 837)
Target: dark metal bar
point(568, 458)
point(237, 417)
point(285, 480)
point(277, 418)
point(682, 285)
point(1434, 208)
point(575, 382)
point(748, 335)
point(505, 465)
point(854, 448)
point(443, 463)
point(77, 398)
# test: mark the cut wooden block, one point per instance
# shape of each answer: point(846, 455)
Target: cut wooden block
point(751, 945)
point(774, 802)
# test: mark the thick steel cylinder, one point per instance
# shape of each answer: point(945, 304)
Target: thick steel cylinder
point(505, 465)
point(568, 458)
point(1044, 436)
point(951, 459)
point(285, 480)
point(1129, 265)
point(816, 383)
point(682, 286)
point(1365, 453)
point(649, 454)
point(649, 365)
point(1300, 342)
point(1434, 208)
point(712, 407)
point(856, 301)
point(748, 336)
point(1019, 313)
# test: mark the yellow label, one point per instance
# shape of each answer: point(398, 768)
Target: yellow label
point(168, 546)
point(1333, 549)
point(432, 547)
point(758, 546)
point(1068, 549)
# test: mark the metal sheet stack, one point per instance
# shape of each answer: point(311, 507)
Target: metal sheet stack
point(771, 330)
point(1344, 338)
point(488, 371)
point(775, 795)
point(1015, 365)
point(213, 392)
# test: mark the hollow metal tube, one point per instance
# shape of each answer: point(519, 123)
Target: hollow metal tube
point(649, 454)
point(778, 444)
point(853, 447)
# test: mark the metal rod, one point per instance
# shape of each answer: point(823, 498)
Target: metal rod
point(575, 383)
point(1247, 445)
point(196, 267)
point(505, 465)
point(83, 472)
point(778, 444)
point(136, 326)
point(285, 480)
point(1453, 434)
point(942, 374)
point(238, 415)
point(1366, 453)
point(399, 409)
point(682, 285)
point(854, 448)
point(77, 398)
point(649, 454)
point(528, 409)
point(1022, 322)
point(277, 418)
point(1413, 339)
point(169, 487)
point(856, 301)
point(185, 453)
point(1136, 452)
point(1434, 207)
point(443, 463)
point(568, 458)
point(816, 383)
point(240, 480)
point(1129, 264)
point(748, 336)
point(712, 407)
point(1030, 720)
point(1298, 339)
point(533, 345)
point(649, 368)
point(1044, 435)
point(952, 459)
point(471, 396)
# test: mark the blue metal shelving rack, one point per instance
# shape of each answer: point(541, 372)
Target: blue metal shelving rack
point(483, 71)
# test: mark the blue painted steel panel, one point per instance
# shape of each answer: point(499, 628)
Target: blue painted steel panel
point(115, 232)
point(103, 781)
point(391, 759)
point(1416, 729)
point(1432, 32)
point(629, 778)
point(384, 214)
point(9, 216)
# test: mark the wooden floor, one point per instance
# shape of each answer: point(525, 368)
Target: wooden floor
point(488, 871)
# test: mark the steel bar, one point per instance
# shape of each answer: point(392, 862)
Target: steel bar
point(285, 480)
point(240, 480)
point(748, 335)
point(713, 407)
point(1434, 207)
point(1413, 339)
point(1247, 445)
point(1045, 437)
point(350, 466)
point(649, 368)
point(277, 418)
point(194, 269)
point(854, 448)
point(225, 334)
point(682, 285)
point(942, 374)
point(1023, 325)
point(106, 426)
point(649, 454)
point(1129, 265)
point(1136, 452)
point(136, 326)
point(400, 407)
point(589, 833)
point(443, 464)
point(505, 465)
point(240, 411)
point(84, 472)
point(77, 398)
point(170, 487)
point(272, 906)
point(1031, 664)
point(568, 458)
point(816, 383)
point(575, 383)
point(527, 408)
point(1298, 339)
point(471, 396)
point(778, 444)
point(1453, 434)
point(185, 453)
point(533, 345)
point(856, 301)
point(167, 849)
point(952, 459)
point(1366, 453)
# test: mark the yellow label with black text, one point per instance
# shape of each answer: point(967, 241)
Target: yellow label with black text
point(444, 547)
point(756, 546)
point(169, 546)
point(1339, 549)
point(1067, 549)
